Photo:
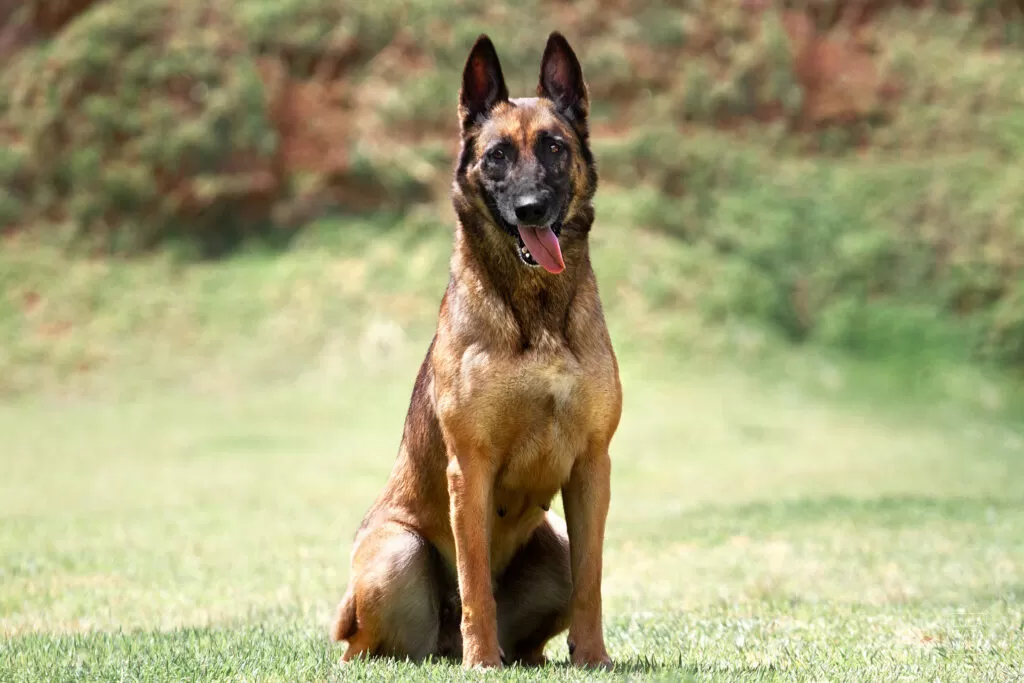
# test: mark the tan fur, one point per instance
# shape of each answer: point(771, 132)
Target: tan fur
point(517, 400)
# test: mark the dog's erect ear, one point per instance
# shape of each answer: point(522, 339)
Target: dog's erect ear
point(561, 79)
point(483, 85)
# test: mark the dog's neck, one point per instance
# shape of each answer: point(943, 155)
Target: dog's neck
point(537, 301)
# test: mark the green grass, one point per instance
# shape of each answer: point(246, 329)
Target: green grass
point(183, 507)
point(754, 530)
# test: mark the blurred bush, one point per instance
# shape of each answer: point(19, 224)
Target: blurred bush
point(141, 120)
point(851, 169)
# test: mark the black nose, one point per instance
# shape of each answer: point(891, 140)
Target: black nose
point(531, 212)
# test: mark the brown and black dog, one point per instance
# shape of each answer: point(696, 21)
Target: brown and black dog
point(517, 399)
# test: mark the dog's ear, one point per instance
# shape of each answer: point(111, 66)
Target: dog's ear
point(561, 79)
point(483, 85)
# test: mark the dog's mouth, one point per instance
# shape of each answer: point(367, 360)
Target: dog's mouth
point(539, 246)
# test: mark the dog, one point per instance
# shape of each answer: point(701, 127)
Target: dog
point(518, 399)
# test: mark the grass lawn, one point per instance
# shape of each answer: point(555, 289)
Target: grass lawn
point(191, 518)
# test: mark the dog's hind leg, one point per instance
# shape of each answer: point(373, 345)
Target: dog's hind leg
point(534, 594)
point(392, 606)
point(344, 626)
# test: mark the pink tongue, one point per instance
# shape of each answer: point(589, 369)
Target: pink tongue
point(543, 246)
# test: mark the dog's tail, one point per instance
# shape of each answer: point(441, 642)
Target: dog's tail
point(345, 625)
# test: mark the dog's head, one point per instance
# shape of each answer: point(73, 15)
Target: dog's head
point(526, 162)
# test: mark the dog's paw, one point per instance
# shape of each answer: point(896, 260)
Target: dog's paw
point(481, 663)
point(593, 657)
point(483, 658)
point(598, 661)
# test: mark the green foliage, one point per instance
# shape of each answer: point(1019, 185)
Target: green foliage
point(402, 174)
point(423, 96)
point(138, 121)
point(14, 178)
point(859, 256)
point(308, 33)
point(144, 121)
point(1005, 330)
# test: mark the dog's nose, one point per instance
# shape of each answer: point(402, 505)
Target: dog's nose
point(531, 211)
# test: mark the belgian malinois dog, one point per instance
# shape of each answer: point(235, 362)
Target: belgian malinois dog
point(517, 400)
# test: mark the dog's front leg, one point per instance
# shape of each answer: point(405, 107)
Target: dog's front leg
point(586, 497)
point(470, 483)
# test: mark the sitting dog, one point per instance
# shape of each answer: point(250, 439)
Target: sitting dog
point(517, 400)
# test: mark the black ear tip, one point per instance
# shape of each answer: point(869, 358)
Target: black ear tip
point(556, 39)
point(483, 41)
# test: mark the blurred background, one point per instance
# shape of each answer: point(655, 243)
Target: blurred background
point(843, 172)
point(225, 236)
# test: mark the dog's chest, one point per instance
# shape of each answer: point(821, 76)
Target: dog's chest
point(537, 413)
point(551, 401)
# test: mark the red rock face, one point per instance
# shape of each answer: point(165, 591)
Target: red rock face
point(841, 83)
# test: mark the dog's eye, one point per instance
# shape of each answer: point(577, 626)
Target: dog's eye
point(555, 148)
point(498, 154)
